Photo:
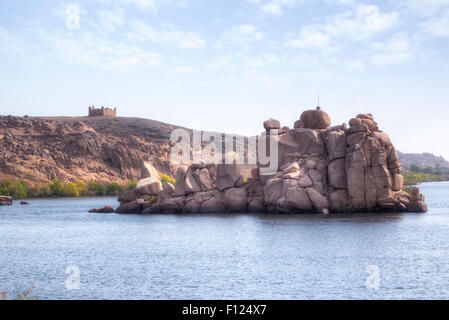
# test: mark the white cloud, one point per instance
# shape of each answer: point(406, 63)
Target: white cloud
point(271, 8)
point(263, 60)
point(388, 58)
point(364, 22)
point(309, 37)
point(359, 24)
point(150, 5)
point(426, 8)
point(88, 49)
point(241, 35)
point(111, 19)
point(394, 50)
point(142, 3)
point(277, 7)
point(355, 65)
point(10, 44)
point(224, 62)
point(186, 40)
point(437, 26)
point(397, 43)
point(244, 61)
point(184, 69)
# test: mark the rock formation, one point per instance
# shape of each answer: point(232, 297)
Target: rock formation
point(321, 169)
point(105, 209)
point(5, 201)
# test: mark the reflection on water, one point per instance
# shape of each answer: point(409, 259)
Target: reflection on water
point(224, 256)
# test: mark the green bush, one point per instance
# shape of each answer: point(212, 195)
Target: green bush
point(167, 179)
point(412, 178)
point(57, 188)
point(70, 190)
point(132, 184)
point(113, 188)
point(95, 189)
point(15, 189)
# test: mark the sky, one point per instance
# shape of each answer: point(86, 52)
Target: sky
point(229, 65)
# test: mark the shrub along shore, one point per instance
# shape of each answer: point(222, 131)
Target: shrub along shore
point(19, 189)
point(417, 175)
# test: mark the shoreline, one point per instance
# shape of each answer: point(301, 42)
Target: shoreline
point(413, 179)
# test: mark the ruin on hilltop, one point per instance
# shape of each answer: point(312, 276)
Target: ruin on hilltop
point(102, 112)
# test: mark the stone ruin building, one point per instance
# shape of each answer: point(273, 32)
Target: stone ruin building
point(102, 112)
point(321, 169)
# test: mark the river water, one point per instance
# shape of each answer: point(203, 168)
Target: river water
point(68, 253)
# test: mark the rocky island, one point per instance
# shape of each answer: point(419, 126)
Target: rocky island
point(321, 169)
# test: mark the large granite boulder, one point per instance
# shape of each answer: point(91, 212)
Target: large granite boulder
point(127, 196)
point(319, 201)
point(338, 201)
point(255, 196)
point(5, 201)
point(180, 185)
point(149, 171)
point(235, 199)
point(166, 205)
point(149, 186)
point(296, 198)
point(167, 191)
point(191, 183)
point(417, 203)
point(273, 190)
point(313, 119)
point(272, 124)
point(204, 179)
point(228, 176)
point(337, 174)
point(131, 207)
point(336, 145)
point(213, 204)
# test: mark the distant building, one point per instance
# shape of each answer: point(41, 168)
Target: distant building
point(102, 112)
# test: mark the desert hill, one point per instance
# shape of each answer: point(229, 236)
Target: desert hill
point(422, 160)
point(40, 149)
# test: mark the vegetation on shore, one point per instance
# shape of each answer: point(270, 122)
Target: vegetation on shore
point(19, 189)
point(429, 174)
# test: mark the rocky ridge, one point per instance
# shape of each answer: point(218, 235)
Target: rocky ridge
point(102, 149)
point(422, 160)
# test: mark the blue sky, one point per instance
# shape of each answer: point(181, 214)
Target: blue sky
point(229, 65)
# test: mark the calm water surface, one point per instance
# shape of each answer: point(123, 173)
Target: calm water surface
point(224, 256)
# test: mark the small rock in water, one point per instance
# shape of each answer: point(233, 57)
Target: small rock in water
point(106, 209)
point(24, 203)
